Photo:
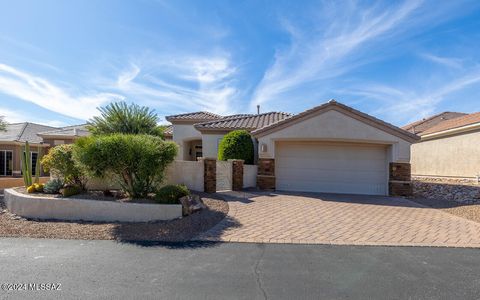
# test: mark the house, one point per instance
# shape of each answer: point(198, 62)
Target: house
point(198, 134)
point(329, 148)
point(449, 146)
point(40, 138)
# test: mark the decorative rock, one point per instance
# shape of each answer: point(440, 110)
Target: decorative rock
point(191, 204)
point(458, 190)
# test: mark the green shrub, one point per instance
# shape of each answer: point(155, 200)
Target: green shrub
point(170, 194)
point(136, 162)
point(71, 190)
point(236, 144)
point(60, 162)
point(53, 186)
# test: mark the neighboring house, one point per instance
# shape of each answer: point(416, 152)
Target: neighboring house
point(329, 148)
point(449, 147)
point(12, 143)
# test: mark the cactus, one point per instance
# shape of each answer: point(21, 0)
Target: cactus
point(27, 166)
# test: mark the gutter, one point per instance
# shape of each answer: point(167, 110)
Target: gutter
point(452, 131)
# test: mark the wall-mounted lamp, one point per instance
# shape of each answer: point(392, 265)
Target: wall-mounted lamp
point(263, 147)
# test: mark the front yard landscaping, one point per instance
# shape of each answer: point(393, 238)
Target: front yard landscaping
point(177, 230)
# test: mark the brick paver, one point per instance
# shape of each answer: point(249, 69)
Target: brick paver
point(340, 220)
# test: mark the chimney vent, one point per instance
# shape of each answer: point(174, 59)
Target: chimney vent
point(258, 109)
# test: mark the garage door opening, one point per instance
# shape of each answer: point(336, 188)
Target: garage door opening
point(328, 167)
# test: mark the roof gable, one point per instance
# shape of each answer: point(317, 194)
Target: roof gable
point(334, 105)
point(23, 132)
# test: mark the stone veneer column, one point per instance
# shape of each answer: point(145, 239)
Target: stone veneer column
point(237, 174)
point(400, 183)
point(210, 175)
point(266, 174)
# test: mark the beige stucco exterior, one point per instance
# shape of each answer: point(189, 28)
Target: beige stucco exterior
point(182, 135)
point(448, 156)
point(333, 125)
point(210, 144)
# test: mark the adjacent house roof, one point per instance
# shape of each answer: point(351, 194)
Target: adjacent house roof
point(332, 104)
point(418, 127)
point(168, 131)
point(194, 116)
point(69, 131)
point(471, 119)
point(22, 132)
point(247, 122)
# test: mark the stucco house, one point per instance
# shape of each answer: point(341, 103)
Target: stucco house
point(449, 146)
point(329, 148)
point(12, 142)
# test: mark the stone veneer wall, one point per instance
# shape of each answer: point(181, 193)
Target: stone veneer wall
point(266, 174)
point(400, 180)
point(450, 189)
point(237, 174)
point(210, 175)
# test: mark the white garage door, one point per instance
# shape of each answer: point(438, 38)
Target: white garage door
point(331, 167)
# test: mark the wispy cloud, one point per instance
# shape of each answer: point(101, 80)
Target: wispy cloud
point(327, 53)
point(46, 94)
point(180, 83)
point(395, 103)
point(444, 61)
point(15, 116)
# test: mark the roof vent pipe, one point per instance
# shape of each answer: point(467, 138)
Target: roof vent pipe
point(258, 109)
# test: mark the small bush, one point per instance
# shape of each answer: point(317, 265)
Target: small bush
point(236, 144)
point(170, 194)
point(31, 189)
point(59, 161)
point(38, 187)
point(53, 186)
point(71, 190)
point(136, 162)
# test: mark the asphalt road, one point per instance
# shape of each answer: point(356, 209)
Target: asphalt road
point(106, 269)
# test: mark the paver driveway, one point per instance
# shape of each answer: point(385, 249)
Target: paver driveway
point(339, 219)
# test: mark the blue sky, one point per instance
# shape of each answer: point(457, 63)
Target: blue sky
point(396, 60)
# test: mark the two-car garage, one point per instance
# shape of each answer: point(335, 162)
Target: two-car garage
point(333, 148)
point(328, 167)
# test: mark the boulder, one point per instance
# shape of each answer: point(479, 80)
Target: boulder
point(191, 204)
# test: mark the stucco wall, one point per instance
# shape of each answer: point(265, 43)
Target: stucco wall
point(182, 133)
point(335, 126)
point(454, 156)
point(210, 144)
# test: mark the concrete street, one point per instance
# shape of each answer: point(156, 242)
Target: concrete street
point(106, 269)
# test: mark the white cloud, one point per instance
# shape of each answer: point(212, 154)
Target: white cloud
point(327, 52)
point(180, 83)
point(445, 61)
point(14, 116)
point(43, 93)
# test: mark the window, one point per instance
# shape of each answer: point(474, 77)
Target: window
point(6, 163)
point(33, 161)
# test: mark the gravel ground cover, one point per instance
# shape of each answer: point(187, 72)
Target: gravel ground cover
point(467, 211)
point(177, 230)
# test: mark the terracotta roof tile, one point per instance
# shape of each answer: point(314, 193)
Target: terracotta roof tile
point(247, 122)
point(168, 130)
point(199, 115)
point(454, 123)
point(21, 132)
point(420, 126)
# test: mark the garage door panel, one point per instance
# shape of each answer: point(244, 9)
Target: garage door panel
point(331, 167)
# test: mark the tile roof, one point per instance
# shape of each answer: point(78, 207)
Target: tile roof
point(73, 131)
point(332, 104)
point(22, 132)
point(168, 130)
point(420, 126)
point(199, 115)
point(454, 123)
point(248, 121)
